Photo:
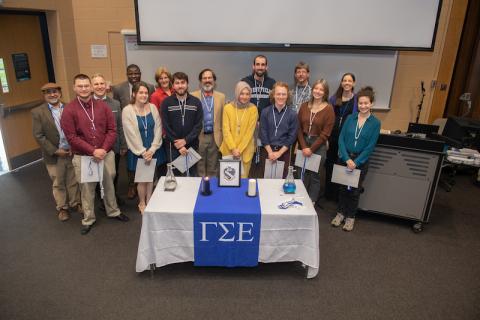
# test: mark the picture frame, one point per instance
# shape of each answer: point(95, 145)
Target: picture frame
point(229, 173)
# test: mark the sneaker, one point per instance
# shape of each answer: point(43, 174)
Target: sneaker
point(348, 226)
point(337, 221)
point(63, 215)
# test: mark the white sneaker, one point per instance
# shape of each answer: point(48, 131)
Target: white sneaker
point(337, 221)
point(348, 226)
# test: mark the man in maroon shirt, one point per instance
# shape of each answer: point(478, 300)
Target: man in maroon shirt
point(89, 127)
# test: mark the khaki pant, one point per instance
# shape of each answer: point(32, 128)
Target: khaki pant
point(64, 185)
point(88, 189)
point(208, 150)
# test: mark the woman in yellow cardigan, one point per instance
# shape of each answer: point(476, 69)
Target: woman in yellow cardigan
point(239, 121)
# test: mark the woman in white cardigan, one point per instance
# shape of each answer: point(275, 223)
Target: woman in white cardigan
point(143, 132)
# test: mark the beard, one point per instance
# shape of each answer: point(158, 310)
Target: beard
point(260, 73)
point(207, 87)
point(54, 101)
point(181, 92)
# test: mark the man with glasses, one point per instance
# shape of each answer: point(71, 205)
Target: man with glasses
point(56, 151)
point(89, 126)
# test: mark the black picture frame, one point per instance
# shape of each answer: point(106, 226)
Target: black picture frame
point(21, 66)
point(229, 173)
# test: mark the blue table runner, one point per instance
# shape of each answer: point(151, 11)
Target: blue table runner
point(226, 227)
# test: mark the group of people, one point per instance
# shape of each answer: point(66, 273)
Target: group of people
point(267, 119)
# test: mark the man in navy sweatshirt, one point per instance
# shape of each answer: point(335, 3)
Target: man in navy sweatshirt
point(182, 119)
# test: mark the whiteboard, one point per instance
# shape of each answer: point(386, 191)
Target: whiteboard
point(394, 24)
point(373, 68)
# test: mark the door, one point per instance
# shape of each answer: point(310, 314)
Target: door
point(25, 69)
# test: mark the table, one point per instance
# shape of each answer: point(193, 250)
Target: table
point(285, 235)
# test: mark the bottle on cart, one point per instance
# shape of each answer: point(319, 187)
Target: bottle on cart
point(170, 181)
point(289, 184)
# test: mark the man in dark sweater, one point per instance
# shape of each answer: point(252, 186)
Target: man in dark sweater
point(182, 119)
point(261, 85)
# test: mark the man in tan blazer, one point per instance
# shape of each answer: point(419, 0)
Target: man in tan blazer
point(56, 151)
point(211, 136)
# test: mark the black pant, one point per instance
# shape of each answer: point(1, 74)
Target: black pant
point(117, 163)
point(348, 196)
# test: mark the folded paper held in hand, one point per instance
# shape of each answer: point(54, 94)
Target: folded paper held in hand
point(311, 163)
point(182, 163)
point(91, 170)
point(345, 176)
point(145, 172)
point(273, 169)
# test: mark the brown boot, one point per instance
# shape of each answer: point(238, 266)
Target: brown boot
point(63, 215)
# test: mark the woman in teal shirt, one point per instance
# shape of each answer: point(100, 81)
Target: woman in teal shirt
point(357, 141)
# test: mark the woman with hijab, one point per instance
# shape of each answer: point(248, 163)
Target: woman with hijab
point(239, 121)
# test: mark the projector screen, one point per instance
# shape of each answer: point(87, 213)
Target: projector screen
point(370, 24)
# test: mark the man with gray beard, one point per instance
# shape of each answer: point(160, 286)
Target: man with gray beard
point(211, 136)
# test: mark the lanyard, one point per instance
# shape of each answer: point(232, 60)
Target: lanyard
point(92, 118)
point(344, 110)
point(181, 105)
point(56, 119)
point(311, 122)
point(91, 163)
point(239, 123)
point(357, 131)
point(144, 123)
point(297, 99)
point(281, 118)
point(209, 107)
point(261, 90)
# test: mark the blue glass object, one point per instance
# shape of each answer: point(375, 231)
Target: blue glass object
point(289, 184)
point(289, 187)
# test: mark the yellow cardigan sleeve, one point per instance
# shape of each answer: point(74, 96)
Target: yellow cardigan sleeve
point(227, 133)
point(251, 124)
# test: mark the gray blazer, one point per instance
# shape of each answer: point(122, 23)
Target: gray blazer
point(121, 92)
point(120, 143)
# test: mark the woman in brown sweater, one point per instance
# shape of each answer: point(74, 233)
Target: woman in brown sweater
point(316, 119)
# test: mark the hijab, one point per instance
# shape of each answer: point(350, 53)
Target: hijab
point(238, 88)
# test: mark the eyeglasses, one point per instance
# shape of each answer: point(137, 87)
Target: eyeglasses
point(51, 91)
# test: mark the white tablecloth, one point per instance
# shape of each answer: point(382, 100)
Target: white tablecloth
point(285, 235)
